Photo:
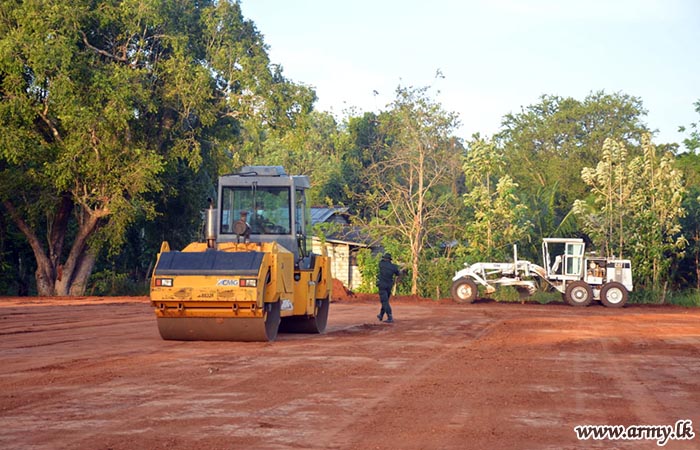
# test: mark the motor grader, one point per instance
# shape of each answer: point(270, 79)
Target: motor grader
point(578, 277)
point(253, 275)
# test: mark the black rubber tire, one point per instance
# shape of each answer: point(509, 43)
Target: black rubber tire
point(272, 320)
point(308, 324)
point(614, 295)
point(464, 290)
point(578, 293)
point(322, 315)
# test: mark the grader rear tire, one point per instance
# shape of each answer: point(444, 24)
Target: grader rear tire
point(614, 295)
point(464, 290)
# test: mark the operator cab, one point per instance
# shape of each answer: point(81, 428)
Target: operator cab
point(568, 262)
point(264, 204)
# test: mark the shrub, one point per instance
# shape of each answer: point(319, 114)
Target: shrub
point(368, 264)
point(110, 283)
point(435, 277)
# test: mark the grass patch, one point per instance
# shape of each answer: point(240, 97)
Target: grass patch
point(110, 283)
point(547, 297)
point(510, 294)
point(689, 297)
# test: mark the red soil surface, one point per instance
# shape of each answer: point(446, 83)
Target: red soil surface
point(93, 373)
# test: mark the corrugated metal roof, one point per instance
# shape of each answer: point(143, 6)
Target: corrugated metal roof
point(352, 235)
point(322, 214)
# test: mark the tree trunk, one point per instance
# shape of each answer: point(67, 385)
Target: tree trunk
point(82, 273)
point(53, 278)
point(415, 253)
point(57, 229)
point(44, 282)
point(44, 269)
point(68, 272)
point(414, 274)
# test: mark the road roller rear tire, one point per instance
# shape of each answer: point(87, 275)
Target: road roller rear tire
point(306, 324)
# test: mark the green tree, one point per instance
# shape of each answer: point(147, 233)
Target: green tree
point(636, 209)
point(546, 145)
point(689, 267)
point(362, 141)
point(309, 148)
point(606, 217)
point(410, 192)
point(98, 99)
point(658, 197)
point(689, 163)
point(692, 142)
point(499, 217)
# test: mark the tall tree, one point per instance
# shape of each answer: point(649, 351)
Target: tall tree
point(688, 272)
point(98, 98)
point(658, 197)
point(689, 163)
point(498, 215)
point(309, 148)
point(411, 194)
point(363, 142)
point(636, 208)
point(546, 145)
point(611, 183)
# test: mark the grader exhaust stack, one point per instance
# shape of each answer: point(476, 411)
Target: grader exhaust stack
point(253, 274)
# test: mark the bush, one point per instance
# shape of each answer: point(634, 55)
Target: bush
point(689, 297)
point(543, 298)
point(435, 277)
point(368, 264)
point(505, 294)
point(685, 298)
point(110, 283)
point(511, 294)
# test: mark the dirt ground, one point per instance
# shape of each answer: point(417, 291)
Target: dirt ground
point(93, 373)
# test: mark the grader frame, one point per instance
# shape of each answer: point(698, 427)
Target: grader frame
point(578, 277)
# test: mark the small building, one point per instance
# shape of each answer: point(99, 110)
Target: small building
point(342, 242)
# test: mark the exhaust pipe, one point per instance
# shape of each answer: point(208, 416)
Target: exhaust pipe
point(210, 225)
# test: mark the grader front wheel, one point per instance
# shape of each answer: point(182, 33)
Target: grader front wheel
point(464, 290)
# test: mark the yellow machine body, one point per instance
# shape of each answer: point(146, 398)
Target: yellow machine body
point(241, 291)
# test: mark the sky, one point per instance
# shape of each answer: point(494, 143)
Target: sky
point(495, 57)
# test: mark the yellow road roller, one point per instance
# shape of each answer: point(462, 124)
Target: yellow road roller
point(253, 274)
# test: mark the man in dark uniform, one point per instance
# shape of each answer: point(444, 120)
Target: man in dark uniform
point(385, 281)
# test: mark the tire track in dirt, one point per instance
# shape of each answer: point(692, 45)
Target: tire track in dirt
point(409, 378)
